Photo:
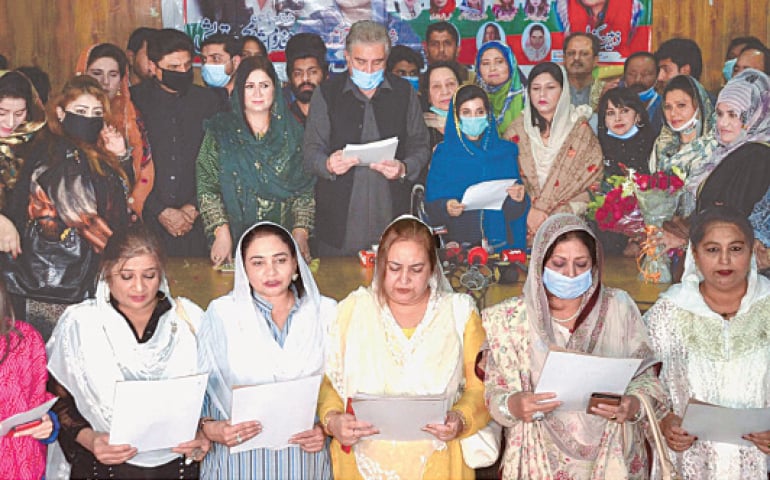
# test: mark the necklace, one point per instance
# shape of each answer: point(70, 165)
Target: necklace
point(710, 302)
point(573, 316)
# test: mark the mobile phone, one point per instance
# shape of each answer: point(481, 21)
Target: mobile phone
point(23, 426)
point(605, 398)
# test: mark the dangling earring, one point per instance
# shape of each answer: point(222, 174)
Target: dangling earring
point(294, 277)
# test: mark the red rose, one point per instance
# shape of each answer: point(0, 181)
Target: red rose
point(663, 182)
point(676, 182)
point(515, 139)
point(601, 215)
point(643, 181)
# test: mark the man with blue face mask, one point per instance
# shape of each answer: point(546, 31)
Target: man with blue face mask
point(355, 203)
point(406, 63)
point(220, 57)
point(640, 74)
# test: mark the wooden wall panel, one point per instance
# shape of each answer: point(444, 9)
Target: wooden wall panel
point(52, 33)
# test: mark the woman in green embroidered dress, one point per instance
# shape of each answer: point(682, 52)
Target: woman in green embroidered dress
point(249, 168)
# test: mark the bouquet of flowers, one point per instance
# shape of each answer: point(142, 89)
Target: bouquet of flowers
point(658, 197)
point(615, 209)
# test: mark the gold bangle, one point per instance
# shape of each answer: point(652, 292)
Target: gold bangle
point(463, 421)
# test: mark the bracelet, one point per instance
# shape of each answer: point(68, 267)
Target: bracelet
point(463, 421)
point(202, 423)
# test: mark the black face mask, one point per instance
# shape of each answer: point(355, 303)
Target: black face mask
point(179, 82)
point(81, 127)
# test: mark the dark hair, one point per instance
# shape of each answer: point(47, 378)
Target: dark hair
point(231, 45)
point(3, 63)
point(745, 41)
point(622, 97)
point(16, 85)
point(553, 70)
point(168, 40)
point(265, 230)
point(593, 38)
point(425, 81)
point(640, 54)
point(720, 214)
point(129, 243)
point(402, 52)
point(109, 50)
point(469, 92)
point(682, 51)
point(139, 37)
point(540, 11)
point(305, 45)
point(765, 55)
point(39, 80)
point(242, 41)
point(536, 27)
point(7, 321)
point(248, 65)
point(585, 238)
point(685, 84)
point(404, 229)
point(442, 26)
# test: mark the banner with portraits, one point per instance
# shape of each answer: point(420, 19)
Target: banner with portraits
point(535, 29)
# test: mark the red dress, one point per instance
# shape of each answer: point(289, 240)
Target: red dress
point(23, 377)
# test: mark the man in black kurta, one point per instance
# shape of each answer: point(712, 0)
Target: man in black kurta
point(173, 110)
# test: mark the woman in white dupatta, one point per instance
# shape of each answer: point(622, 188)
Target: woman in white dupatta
point(132, 330)
point(565, 306)
point(711, 332)
point(271, 327)
point(407, 334)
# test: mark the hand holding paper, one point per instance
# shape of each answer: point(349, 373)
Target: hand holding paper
point(487, 195)
point(20, 419)
point(372, 152)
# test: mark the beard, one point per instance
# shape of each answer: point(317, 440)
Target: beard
point(303, 96)
point(637, 88)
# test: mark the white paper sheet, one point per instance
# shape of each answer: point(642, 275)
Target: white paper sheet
point(722, 424)
point(155, 414)
point(400, 418)
point(487, 195)
point(25, 417)
point(283, 408)
point(372, 152)
point(574, 377)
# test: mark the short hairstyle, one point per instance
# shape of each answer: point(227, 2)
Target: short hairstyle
point(593, 38)
point(39, 79)
point(108, 50)
point(682, 51)
point(128, 243)
point(553, 70)
point(720, 214)
point(442, 26)
point(469, 92)
point(367, 31)
point(242, 41)
point(765, 55)
point(451, 65)
point(622, 97)
point(231, 45)
point(265, 230)
point(745, 41)
point(400, 53)
point(640, 54)
point(305, 45)
point(168, 40)
point(400, 230)
point(138, 37)
point(585, 238)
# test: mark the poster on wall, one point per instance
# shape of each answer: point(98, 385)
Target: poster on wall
point(535, 29)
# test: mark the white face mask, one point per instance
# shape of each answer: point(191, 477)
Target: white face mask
point(688, 126)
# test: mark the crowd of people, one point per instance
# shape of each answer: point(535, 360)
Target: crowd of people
point(132, 161)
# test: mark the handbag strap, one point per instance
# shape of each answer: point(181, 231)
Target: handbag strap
point(667, 469)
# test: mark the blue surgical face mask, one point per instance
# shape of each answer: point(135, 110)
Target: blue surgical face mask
point(366, 81)
point(214, 75)
point(630, 133)
point(473, 126)
point(648, 94)
point(566, 287)
point(439, 112)
point(727, 70)
point(414, 81)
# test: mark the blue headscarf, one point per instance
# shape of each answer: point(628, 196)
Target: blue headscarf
point(459, 162)
point(507, 99)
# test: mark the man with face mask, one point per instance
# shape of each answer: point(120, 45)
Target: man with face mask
point(640, 74)
point(355, 203)
point(306, 68)
point(220, 57)
point(173, 111)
